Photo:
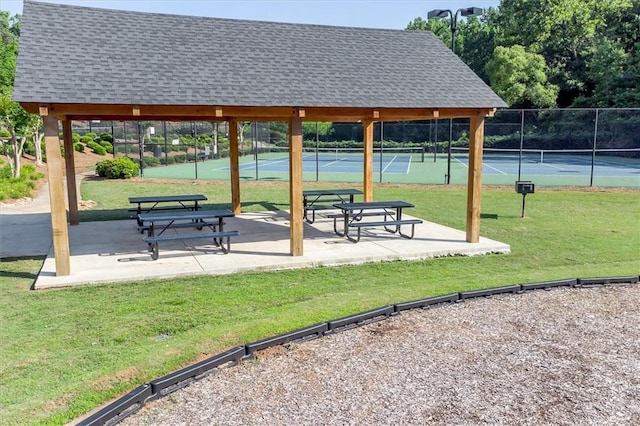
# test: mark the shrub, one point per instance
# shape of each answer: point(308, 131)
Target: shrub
point(14, 188)
point(118, 168)
point(97, 148)
point(4, 133)
point(78, 147)
point(106, 137)
point(86, 139)
point(150, 161)
point(106, 145)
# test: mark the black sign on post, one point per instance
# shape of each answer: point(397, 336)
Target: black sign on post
point(524, 187)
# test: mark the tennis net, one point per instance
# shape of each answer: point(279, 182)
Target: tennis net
point(565, 156)
point(386, 155)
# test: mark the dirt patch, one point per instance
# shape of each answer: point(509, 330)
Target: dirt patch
point(125, 375)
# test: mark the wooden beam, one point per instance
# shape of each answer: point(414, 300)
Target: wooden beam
point(295, 187)
point(474, 181)
point(70, 171)
point(367, 135)
point(56, 196)
point(245, 113)
point(234, 166)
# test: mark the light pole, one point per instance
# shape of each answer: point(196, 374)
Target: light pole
point(453, 25)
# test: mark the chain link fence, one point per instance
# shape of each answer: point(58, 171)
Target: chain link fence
point(554, 147)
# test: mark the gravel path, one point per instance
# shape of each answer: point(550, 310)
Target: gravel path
point(565, 356)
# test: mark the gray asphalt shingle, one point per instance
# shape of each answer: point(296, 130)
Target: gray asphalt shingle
point(70, 54)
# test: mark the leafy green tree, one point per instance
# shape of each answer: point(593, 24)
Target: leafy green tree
point(9, 33)
point(519, 78)
point(564, 32)
point(14, 119)
point(477, 35)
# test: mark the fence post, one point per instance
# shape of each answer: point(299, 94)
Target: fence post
point(141, 148)
point(593, 152)
point(381, 143)
point(521, 142)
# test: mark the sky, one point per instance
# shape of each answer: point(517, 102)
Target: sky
point(392, 14)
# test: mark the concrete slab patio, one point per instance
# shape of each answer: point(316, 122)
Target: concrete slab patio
point(114, 251)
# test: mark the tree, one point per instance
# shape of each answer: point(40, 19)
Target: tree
point(9, 33)
point(14, 119)
point(564, 32)
point(519, 78)
point(34, 128)
point(478, 36)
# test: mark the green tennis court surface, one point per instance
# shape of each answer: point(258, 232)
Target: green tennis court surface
point(500, 167)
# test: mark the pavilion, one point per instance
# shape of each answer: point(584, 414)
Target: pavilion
point(79, 63)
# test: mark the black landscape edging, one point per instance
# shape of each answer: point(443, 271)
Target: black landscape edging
point(547, 285)
point(181, 378)
point(303, 334)
point(490, 291)
point(128, 404)
point(357, 320)
point(429, 302)
point(120, 408)
point(584, 282)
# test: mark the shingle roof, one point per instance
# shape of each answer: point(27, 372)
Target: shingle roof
point(70, 54)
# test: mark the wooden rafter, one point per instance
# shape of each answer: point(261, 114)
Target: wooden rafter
point(248, 113)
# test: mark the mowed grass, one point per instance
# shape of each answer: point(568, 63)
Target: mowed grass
point(65, 352)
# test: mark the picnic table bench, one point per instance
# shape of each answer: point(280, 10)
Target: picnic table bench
point(211, 219)
point(175, 202)
point(391, 212)
point(317, 199)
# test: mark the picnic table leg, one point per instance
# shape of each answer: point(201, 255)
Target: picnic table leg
point(346, 228)
point(398, 217)
point(154, 250)
point(221, 228)
point(138, 215)
point(153, 247)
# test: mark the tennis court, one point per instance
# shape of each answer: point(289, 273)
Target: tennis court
point(338, 160)
point(416, 165)
point(545, 162)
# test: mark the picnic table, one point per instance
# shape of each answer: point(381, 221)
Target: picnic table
point(175, 202)
point(353, 215)
point(210, 219)
point(317, 199)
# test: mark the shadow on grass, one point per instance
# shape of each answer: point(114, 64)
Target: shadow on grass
point(10, 267)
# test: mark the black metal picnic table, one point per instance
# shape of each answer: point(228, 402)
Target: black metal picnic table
point(180, 201)
point(316, 199)
point(211, 219)
point(391, 211)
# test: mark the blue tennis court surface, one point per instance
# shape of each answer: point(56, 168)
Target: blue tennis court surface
point(554, 164)
point(335, 161)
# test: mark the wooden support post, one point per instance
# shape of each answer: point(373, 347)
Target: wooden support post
point(367, 135)
point(70, 170)
point(234, 166)
point(56, 196)
point(474, 182)
point(295, 186)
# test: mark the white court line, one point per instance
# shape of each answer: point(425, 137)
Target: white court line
point(494, 168)
point(389, 163)
point(466, 165)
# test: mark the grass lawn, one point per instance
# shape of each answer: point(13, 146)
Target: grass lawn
point(66, 351)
